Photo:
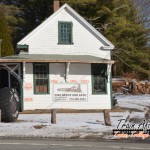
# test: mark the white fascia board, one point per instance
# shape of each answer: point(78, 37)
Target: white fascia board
point(107, 47)
point(110, 45)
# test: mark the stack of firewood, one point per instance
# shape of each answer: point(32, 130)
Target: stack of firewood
point(139, 87)
point(131, 86)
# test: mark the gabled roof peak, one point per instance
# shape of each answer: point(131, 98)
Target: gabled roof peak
point(108, 44)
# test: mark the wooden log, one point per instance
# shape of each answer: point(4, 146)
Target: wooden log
point(139, 86)
point(107, 117)
point(127, 83)
point(130, 87)
point(147, 84)
point(134, 87)
point(53, 116)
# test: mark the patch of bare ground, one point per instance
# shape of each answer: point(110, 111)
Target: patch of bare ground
point(39, 126)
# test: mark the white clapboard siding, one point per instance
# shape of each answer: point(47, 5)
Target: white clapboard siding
point(45, 40)
point(77, 72)
point(86, 41)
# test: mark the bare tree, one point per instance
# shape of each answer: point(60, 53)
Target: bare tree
point(143, 6)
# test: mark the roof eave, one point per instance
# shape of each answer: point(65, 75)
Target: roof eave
point(107, 47)
point(78, 15)
point(52, 61)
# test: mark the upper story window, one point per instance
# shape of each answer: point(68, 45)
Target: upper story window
point(65, 32)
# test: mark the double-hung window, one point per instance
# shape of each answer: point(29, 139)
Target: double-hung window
point(99, 78)
point(41, 78)
point(65, 32)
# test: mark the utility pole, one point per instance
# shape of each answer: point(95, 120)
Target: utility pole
point(0, 47)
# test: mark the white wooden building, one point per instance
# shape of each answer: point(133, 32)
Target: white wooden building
point(64, 63)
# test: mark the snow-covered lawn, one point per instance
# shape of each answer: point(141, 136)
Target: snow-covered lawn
point(139, 102)
point(74, 125)
point(68, 125)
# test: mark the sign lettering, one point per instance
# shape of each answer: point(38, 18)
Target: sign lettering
point(69, 92)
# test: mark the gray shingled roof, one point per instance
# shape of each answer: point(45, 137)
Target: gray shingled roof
point(54, 58)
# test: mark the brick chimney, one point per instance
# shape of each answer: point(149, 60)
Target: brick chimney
point(56, 5)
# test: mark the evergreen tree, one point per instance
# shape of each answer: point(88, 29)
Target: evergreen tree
point(33, 12)
point(25, 15)
point(118, 21)
point(6, 47)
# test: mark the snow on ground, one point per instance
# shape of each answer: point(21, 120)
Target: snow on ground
point(74, 125)
point(68, 125)
point(138, 102)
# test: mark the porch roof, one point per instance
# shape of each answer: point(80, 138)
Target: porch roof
point(54, 58)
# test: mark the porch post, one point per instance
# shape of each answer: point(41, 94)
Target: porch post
point(106, 112)
point(24, 71)
point(0, 116)
point(1, 47)
point(109, 72)
point(107, 117)
point(9, 81)
point(53, 116)
point(67, 71)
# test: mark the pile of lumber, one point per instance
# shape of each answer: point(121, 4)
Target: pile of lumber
point(131, 86)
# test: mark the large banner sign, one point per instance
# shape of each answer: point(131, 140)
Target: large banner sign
point(68, 92)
